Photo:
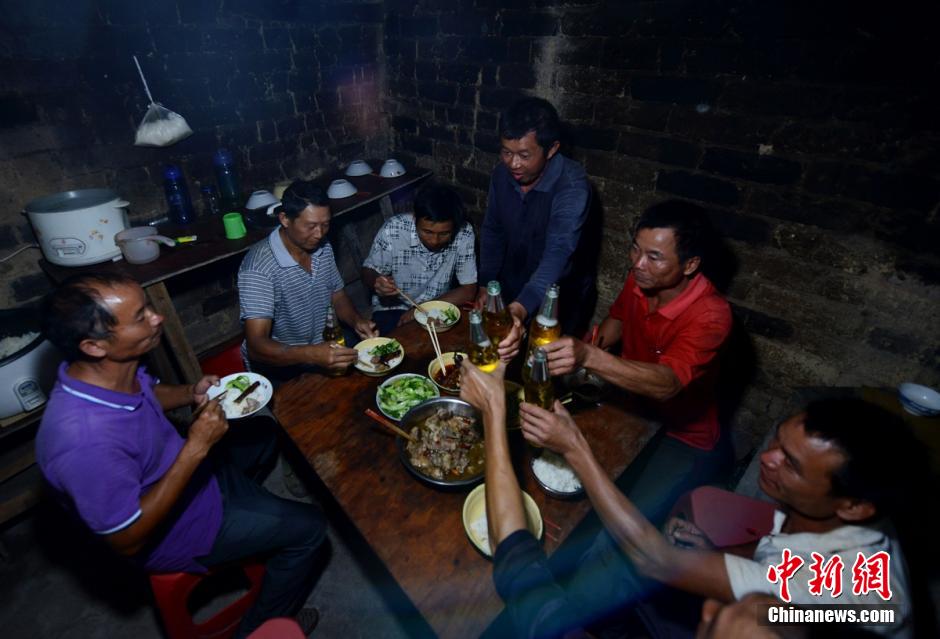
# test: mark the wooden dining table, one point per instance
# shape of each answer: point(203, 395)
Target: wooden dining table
point(416, 529)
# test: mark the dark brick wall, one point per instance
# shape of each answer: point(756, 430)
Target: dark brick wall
point(290, 87)
point(808, 129)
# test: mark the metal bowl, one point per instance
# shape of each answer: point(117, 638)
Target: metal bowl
point(557, 494)
point(423, 411)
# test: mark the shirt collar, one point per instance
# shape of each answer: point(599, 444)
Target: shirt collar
point(101, 396)
point(698, 287)
point(281, 254)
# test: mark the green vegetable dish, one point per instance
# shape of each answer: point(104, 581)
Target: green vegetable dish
point(240, 383)
point(449, 315)
point(385, 349)
point(398, 396)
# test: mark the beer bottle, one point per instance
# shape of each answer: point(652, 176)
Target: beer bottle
point(483, 353)
point(333, 334)
point(496, 318)
point(538, 388)
point(332, 331)
point(545, 329)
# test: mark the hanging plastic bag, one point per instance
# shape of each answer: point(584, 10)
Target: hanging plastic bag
point(160, 126)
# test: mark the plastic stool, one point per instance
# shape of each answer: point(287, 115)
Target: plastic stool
point(727, 519)
point(278, 628)
point(172, 592)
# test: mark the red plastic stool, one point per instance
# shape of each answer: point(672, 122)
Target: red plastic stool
point(225, 363)
point(727, 519)
point(278, 628)
point(172, 593)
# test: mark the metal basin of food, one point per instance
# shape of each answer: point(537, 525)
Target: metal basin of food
point(418, 415)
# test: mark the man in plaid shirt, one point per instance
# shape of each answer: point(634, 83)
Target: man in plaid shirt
point(428, 254)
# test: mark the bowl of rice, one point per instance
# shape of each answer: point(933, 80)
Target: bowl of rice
point(474, 518)
point(556, 477)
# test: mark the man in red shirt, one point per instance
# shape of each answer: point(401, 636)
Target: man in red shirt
point(671, 323)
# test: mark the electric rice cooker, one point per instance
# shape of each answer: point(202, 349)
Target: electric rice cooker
point(75, 228)
point(28, 362)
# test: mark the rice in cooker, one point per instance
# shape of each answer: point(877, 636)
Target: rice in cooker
point(11, 345)
point(553, 471)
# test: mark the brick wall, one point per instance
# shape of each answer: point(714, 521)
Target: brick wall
point(290, 87)
point(807, 129)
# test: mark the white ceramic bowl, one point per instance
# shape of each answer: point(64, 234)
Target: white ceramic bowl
point(437, 309)
point(262, 394)
point(340, 189)
point(919, 400)
point(474, 510)
point(434, 366)
point(357, 168)
point(392, 168)
point(433, 392)
point(261, 199)
point(364, 363)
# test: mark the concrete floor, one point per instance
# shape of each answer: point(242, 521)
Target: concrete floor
point(53, 583)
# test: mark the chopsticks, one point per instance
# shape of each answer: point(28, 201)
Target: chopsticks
point(202, 407)
point(411, 301)
point(437, 345)
point(374, 415)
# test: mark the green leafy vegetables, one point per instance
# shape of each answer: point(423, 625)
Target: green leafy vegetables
point(400, 395)
point(240, 383)
point(385, 349)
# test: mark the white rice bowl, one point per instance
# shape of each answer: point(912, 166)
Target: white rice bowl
point(554, 472)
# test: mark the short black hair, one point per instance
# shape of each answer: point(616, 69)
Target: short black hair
point(75, 311)
point(301, 194)
point(883, 462)
point(531, 114)
point(439, 203)
point(689, 223)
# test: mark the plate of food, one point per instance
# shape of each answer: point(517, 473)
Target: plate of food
point(475, 524)
point(244, 394)
point(447, 449)
point(379, 355)
point(443, 315)
point(399, 394)
point(555, 476)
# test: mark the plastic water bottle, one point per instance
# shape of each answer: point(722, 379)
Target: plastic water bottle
point(210, 201)
point(229, 189)
point(177, 196)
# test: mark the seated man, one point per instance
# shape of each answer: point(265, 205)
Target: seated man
point(671, 323)
point(286, 285)
point(422, 254)
point(171, 504)
point(837, 472)
point(535, 214)
point(841, 473)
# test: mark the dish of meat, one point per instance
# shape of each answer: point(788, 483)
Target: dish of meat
point(449, 447)
point(379, 355)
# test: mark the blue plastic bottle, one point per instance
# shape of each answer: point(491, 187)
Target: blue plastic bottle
point(177, 196)
point(229, 189)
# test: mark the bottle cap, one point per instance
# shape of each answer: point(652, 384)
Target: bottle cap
point(172, 172)
point(493, 287)
point(539, 355)
point(475, 317)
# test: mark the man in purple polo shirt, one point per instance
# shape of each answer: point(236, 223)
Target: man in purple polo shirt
point(171, 504)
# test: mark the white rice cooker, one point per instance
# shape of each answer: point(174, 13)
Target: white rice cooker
point(28, 370)
point(75, 228)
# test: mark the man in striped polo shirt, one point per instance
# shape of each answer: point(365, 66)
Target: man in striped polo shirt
point(286, 284)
